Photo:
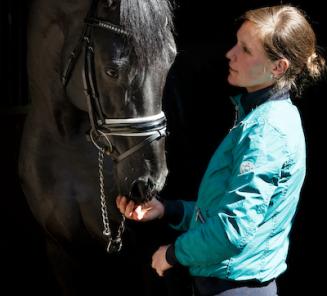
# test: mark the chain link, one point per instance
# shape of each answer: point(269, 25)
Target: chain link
point(114, 244)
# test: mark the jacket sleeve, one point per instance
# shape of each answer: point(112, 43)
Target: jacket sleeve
point(184, 223)
point(258, 157)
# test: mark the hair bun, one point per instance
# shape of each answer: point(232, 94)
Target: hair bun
point(315, 65)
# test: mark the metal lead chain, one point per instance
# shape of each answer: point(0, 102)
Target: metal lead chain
point(114, 244)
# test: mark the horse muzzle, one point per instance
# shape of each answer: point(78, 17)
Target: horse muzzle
point(142, 190)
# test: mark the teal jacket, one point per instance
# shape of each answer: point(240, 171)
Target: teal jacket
point(239, 226)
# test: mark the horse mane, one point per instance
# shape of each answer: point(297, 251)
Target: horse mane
point(150, 24)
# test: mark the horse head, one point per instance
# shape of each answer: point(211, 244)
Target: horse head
point(116, 73)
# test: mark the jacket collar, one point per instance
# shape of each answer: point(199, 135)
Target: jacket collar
point(250, 101)
point(246, 102)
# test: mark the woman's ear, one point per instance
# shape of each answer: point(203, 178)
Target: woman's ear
point(280, 67)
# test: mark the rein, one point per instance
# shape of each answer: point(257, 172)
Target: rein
point(102, 129)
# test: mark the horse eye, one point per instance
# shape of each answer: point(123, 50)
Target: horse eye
point(113, 73)
point(111, 4)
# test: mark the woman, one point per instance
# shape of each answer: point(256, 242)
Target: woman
point(236, 235)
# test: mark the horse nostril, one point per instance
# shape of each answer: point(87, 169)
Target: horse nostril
point(150, 185)
point(138, 190)
point(141, 190)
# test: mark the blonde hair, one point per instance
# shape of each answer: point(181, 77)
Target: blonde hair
point(286, 33)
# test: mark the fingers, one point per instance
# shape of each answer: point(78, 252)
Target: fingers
point(139, 212)
point(125, 207)
point(160, 273)
point(129, 209)
point(156, 266)
point(159, 262)
point(121, 202)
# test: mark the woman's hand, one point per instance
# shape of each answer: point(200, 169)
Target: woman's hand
point(159, 262)
point(150, 210)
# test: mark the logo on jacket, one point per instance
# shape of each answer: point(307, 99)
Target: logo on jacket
point(246, 166)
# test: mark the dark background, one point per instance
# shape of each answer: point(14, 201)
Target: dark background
point(199, 114)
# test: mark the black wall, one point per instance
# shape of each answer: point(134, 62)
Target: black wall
point(199, 114)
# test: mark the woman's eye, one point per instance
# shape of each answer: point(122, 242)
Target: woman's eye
point(245, 49)
point(113, 73)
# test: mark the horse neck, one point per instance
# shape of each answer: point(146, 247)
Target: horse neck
point(51, 24)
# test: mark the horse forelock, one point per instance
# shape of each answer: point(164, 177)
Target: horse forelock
point(150, 25)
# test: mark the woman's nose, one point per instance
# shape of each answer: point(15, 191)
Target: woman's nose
point(230, 54)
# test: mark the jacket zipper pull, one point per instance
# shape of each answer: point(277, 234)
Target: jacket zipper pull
point(199, 216)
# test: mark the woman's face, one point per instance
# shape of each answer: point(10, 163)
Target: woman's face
point(249, 66)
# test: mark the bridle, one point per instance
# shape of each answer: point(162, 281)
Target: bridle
point(150, 127)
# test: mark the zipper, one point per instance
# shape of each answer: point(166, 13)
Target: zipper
point(199, 216)
point(236, 112)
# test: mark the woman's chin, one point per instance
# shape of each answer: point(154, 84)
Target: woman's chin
point(232, 81)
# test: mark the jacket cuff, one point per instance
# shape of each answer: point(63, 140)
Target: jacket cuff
point(170, 255)
point(174, 211)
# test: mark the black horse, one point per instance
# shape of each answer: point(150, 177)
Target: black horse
point(96, 71)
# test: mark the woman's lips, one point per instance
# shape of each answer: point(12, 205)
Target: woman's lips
point(232, 70)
